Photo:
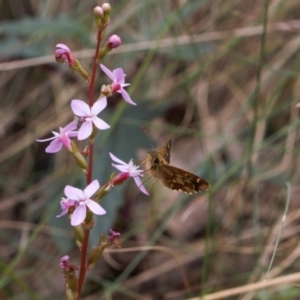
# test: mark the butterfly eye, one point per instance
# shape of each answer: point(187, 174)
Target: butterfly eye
point(156, 160)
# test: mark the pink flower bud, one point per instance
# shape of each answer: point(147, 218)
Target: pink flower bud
point(98, 11)
point(113, 42)
point(62, 53)
point(106, 7)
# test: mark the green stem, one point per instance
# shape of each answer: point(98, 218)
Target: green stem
point(255, 102)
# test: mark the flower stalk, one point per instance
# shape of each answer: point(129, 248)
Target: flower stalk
point(83, 269)
point(81, 206)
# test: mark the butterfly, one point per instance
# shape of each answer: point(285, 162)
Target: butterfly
point(157, 164)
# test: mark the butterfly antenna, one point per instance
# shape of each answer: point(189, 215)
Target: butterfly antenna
point(140, 162)
point(146, 133)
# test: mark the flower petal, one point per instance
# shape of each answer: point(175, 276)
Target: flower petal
point(100, 124)
point(62, 213)
point(99, 106)
point(73, 193)
point(46, 140)
point(85, 130)
point(95, 207)
point(126, 97)
point(114, 158)
point(78, 215)
point(91, 189)
point(71, 126)
point(72, 133)
point(80, 108)
point(63, 46)
point(119, 75)
point(54, 146)
point(108, 72)
point(121, 168)
point(140, 185)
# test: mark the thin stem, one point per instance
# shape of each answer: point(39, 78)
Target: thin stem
point(95, 65)
point(255, 102)
point(82, 261)
point(82, 270)
point(287, 204)
point(91, 102)
point(90, 166)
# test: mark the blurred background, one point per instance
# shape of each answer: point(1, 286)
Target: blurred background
point(219, 78)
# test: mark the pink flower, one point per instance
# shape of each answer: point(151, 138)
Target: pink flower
point(62, 53)
point(114, 41)
point(118, 78)
point(89, 115)
point(128, 170)
point(82, 199)
point(61, 139)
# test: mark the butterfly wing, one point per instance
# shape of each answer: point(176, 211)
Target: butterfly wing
point(164, 153)
point(181, 180)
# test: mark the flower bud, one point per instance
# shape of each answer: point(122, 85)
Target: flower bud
point(98, 12)
point(106, 8)
point(114, 41)
point(63, 53)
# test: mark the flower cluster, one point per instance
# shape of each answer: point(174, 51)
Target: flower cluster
point(82, 204)
point(87, 114)
point(78, 202)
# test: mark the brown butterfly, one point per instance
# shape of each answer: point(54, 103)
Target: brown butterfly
point(157, 164)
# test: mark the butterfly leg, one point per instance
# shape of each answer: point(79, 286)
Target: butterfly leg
point(152, 183)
